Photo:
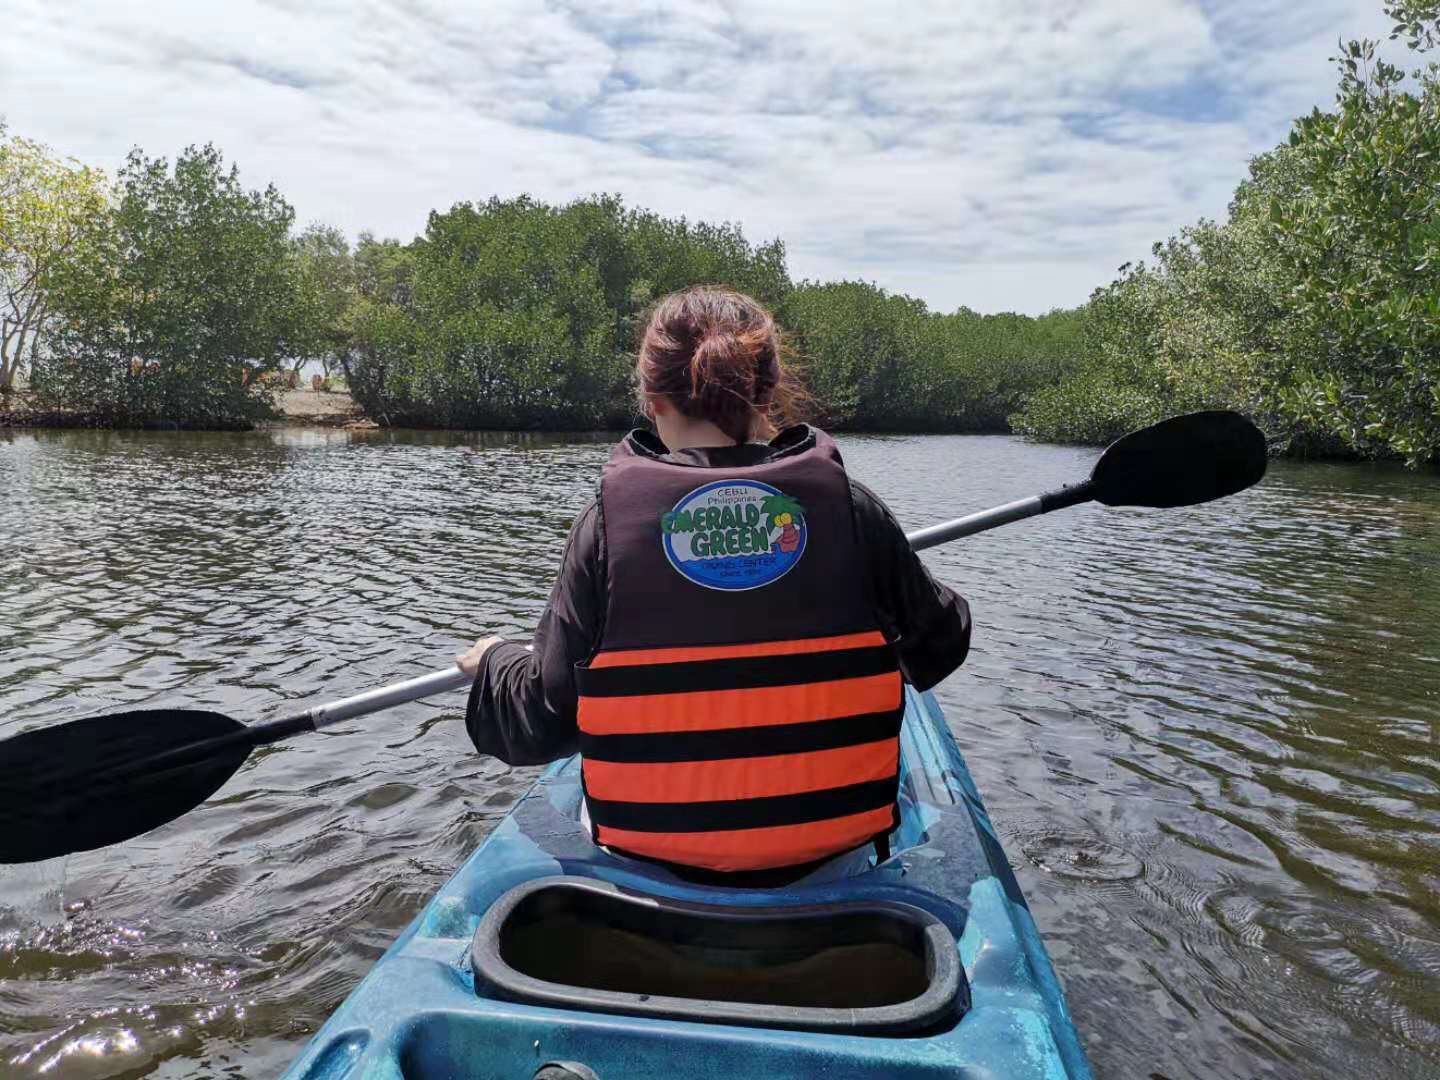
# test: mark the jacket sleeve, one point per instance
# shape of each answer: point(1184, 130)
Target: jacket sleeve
point(522, 706)
point(927, 623)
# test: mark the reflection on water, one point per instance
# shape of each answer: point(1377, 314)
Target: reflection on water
point(1208, 736)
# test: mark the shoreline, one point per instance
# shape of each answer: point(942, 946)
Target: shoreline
point(304, 407)
point(320, 408)
point(293, 408)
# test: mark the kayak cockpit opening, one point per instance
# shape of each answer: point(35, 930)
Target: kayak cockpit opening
point(863, 967)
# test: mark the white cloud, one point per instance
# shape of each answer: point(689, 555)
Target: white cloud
point(984, 153)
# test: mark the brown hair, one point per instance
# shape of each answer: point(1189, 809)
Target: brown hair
point(718, 355)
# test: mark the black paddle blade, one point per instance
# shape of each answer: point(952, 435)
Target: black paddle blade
point(104, 779)
point(1181, 461)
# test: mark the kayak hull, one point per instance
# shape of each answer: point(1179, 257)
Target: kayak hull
point(418, 1014)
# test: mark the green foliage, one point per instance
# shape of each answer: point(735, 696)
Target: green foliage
point(985, 367)
point(877, 361)
point(188, 296)
point(47, 205)
point(513, 313)
point(380, 324)
point(1315, 307)
point(1119, 385)
point(671, 253)
point(862, 349)
point(1193, 330)
point(1359, 236)
point(326, 292)
point(1418, 21)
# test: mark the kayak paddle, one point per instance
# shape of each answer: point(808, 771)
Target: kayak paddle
point(1183, 461)
point(101, 780)
point(97, 781)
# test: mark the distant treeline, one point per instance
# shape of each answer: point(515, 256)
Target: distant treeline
point(170, 293)
point(518, 314)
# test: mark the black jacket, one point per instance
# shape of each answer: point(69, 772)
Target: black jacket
point(522, 706)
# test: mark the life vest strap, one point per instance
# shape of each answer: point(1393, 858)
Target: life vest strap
point(678, 654)
point(751, 672)
point(731, 743)
point(743, 707)
point(754, 849)
point(754, 813)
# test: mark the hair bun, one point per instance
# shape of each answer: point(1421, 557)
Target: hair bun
point(715, 353)
point(720, 356)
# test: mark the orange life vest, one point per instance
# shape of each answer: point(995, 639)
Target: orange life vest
point(743, 708)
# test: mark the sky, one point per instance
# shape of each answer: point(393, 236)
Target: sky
point(1001, 155)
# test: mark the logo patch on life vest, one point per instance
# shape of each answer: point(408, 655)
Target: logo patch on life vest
point(734, 534)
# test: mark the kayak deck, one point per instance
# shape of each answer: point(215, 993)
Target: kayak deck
point(418, 1014)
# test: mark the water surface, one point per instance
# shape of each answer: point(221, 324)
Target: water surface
point(1210, 738)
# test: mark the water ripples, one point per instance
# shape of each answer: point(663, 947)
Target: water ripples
point(1208, 737)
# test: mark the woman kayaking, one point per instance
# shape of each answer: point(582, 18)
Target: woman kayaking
point(734, 615)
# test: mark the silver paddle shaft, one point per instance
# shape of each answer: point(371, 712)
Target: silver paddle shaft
point(384, 697)
point(453, 678)
point(921, 539)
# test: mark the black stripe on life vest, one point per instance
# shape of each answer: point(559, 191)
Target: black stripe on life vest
point(735, 673)
point(751, 742)
point(762, 813)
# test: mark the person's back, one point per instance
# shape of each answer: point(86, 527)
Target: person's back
point(726, 642)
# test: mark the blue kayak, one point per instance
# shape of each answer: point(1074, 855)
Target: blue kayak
point(547, 957)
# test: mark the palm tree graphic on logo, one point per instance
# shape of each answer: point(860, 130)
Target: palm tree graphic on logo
point(785, 514)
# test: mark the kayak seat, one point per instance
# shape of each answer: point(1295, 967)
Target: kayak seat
point(872, 967)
